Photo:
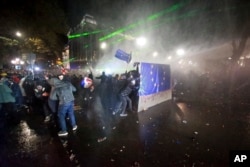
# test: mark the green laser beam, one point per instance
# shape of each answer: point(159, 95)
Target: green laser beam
point(168, 20)
point(84, 34)
point(161, 13)
point(118, 32)
point(69, 60)
point(172, 19)
point(149, 18)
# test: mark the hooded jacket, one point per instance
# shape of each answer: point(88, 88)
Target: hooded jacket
point(64, 91)
point(54, 83)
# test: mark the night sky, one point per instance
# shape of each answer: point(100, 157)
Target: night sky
point(166, 22)
point(202, 16)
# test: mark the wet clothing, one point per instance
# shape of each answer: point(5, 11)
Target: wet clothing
point(64, 110)
point(64, 90)
point(123, 91)
point(53, 82)
point(53, 99)
point(28, 86)
point(124, 100)
point(92, 103)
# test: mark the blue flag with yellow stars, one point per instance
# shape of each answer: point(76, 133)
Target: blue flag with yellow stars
point(155, 78)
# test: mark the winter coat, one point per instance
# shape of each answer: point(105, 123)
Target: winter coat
point(126, 91)
point(16, 90)
point(42, 90)
point(6, 94)
point(64, 91)
point(53, 83)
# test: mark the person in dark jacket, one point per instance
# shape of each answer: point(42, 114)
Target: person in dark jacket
point(17, 93)
point(92, 103)
point(64, 91)
point(124, 100)
point(42, 90)
point(103, 78)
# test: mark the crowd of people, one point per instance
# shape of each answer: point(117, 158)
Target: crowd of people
point(55, 95)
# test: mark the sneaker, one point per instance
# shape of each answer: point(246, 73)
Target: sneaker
point(75, 127)
point(62, 133)
point(47, 119)
point(101, 139)
point(123, 115)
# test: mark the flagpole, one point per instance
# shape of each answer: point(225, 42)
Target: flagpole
point(130, 57)
point(127, 68)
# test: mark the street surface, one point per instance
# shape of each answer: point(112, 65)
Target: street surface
point(170, 134)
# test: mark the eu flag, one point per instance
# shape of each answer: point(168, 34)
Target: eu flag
point(120, 54)
point(155, 78)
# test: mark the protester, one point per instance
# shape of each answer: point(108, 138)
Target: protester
point(42, 90)
point(93, 105)
point(123, 91)
point(24, 96)
point(64, 91)
point(53, 99)
point(102, 77)
point(7, 101)
point(16, 92)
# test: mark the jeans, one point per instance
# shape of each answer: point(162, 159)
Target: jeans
point(19, 101)
point(66, 110)
point(126, 101)
point(122, 104)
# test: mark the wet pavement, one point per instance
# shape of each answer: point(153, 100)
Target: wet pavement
point(30, 142)
point(169, 134)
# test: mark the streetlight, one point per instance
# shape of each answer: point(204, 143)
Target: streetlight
point(141, 41)
point(155, 54)
point(103, 45)
point(18, 34)
point(180, 52)
point(17, 63)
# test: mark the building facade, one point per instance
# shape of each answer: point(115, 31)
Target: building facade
point(83, 43)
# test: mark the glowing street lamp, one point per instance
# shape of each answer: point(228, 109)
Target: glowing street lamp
point(103, 45)
point(180, 52)
point(17, 63)
point(141, 41)
point(18, 34)
point(155, 54)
